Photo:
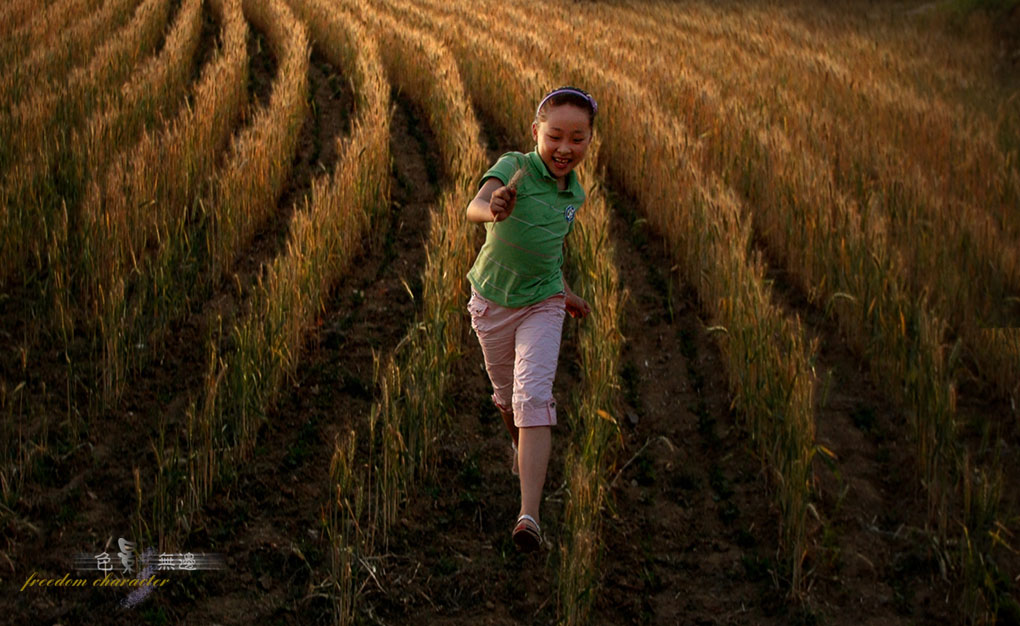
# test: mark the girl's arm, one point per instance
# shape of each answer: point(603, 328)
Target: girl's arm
point(493, 203)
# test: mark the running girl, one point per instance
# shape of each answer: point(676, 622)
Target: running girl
point(519, 296)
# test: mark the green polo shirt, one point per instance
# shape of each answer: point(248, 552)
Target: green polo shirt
point(521, 260)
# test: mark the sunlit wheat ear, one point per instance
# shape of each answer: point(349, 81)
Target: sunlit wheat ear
point(521, 172)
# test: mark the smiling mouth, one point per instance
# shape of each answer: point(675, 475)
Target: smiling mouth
point(561, 161)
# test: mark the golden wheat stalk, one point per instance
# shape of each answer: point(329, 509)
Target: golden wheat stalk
point(47, 66)
point(39, 28)
point(323, 240)
point(135, 211)
point(41, 138)
point(521, 172)
point(151, 93)
point(247, 191)
point(37, 119)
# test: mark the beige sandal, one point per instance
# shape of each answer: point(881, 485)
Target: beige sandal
point(527, 535)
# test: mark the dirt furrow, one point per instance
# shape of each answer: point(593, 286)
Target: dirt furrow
point(269, 525)
point(871, 556)
point(451, 560)
point(689, 533)
point(332, 102)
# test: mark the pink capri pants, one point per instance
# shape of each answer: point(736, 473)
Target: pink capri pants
point(521, 348)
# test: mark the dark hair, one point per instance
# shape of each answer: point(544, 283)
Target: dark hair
point(567, 95)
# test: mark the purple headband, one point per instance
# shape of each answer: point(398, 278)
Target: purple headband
point(573, 90)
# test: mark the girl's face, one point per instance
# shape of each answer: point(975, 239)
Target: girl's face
point(562, 138)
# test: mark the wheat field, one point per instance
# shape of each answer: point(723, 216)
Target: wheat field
point(233, 252)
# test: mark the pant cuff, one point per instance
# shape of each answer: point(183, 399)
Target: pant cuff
point(529, 415)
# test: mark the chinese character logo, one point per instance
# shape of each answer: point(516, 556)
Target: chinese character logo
point(166, 561)
point(130, 560)
point(127, 549)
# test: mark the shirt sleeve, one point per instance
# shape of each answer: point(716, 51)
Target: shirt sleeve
point(503, 169)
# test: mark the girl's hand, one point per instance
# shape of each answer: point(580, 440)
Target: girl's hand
point(576, 306)
point(502, 203)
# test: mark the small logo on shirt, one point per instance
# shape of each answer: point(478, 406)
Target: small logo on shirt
point(569, 212)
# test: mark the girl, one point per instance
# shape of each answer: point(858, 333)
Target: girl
point(518, 293)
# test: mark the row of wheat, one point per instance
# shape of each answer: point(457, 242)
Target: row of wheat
point(889, 212)
point(14, 16)
point(246, 192)
point(591, 457)
point(238, 199)
point(138, 213)
point(411, 409)
point(82, 153)
point(25, 25)
point(409, 416)
point(72, 46)
point(263, 345)
point(36, 130)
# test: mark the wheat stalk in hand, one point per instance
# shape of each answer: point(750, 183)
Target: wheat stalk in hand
point(521, 172)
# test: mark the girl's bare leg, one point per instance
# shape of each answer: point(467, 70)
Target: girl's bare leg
point(508, 420)
point(533, 456)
